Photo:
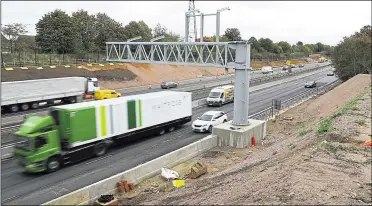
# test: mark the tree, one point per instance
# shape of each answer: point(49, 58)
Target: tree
point(107, 30)
point(169, 36)
point(286, 47)
point(140, 28)
point(352, 55)
point(86, 31)
point(233, 34)
point(320, 47)
point(12, 32)
point(267, 44)
point(159, 30)
point(277, 49)
point(55, 32)
point(300, 43)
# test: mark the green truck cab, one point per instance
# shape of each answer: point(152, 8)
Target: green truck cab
point(38, 140)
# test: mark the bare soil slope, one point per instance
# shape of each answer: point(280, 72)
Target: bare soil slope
point(115, 75)
point(294, 165)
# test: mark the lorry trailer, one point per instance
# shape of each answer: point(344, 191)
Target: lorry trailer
point(74, 132)
point(30, 94)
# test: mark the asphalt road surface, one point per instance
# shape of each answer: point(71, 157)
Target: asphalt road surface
point(19, 188)
point(254, 75)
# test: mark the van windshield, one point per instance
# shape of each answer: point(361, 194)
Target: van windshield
point(214, 94)
point(23, 143)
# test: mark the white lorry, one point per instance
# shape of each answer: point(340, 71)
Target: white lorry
point(23, 95)
point(221, 95)
point(267, 70)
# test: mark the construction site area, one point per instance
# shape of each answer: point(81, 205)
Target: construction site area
point(314, 153)
point(122, 75)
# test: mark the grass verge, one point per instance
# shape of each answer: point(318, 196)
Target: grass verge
point(325, 125)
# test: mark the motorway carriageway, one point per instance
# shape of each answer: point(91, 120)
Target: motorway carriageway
point(33, 189)
point(253, 75)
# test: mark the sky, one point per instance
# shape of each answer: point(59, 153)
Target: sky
point(310, 22)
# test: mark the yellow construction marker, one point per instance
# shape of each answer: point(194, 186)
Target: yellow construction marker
point(67, 66)
point(79, 67)
point(52, 67)
point(24, 67)
point(102, 65)
point(9, 69)
point(40, 68)
point(178, 183)
point(111, 64)
point(89, 65)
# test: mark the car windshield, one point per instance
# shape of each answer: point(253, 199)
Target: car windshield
point(23, 143)
point(206, 117)
point(214, 94)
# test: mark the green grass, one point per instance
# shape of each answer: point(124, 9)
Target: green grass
point(325, 125)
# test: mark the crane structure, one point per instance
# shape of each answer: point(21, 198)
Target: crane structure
point(192, 22)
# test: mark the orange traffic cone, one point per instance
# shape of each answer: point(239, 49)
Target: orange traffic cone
point(253, 140)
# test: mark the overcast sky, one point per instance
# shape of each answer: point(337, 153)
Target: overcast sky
point(309, 22)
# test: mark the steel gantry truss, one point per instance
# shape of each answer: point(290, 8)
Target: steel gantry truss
point(234, 55)
point(179, 53)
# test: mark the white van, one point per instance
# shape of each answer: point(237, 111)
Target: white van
point(267, 69)
point(221, 95)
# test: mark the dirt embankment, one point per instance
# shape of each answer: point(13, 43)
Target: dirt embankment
point(121, 75)
point(114, 75)
point(296, 164)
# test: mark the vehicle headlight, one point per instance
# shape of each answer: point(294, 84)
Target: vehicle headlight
point(205, 125)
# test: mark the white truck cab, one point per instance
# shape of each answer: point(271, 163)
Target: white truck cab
point(221, 95)
point(208, 120)
point(91, 85)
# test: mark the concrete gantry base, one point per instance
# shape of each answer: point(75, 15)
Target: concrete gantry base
point(240, 136)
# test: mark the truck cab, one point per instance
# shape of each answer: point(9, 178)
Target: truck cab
point(38, 146)
point(221, 95)
point(91, 85)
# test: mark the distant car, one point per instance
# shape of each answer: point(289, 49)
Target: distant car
point(330, 74)
point(208, 120)
point(106, 94)
point(285, 67)
point(293, 66)
point(310, 84)
point(301, 65)
point(167, 85)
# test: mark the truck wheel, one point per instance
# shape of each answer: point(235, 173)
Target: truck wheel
point(171, 129)
point(100, 149)
point(53, 164)
point(14, 108)
point(72, 100)
point(161, 132)
point(210, 129)
point(25, 107)
point(224, 121)
point(220, 104)
point(34, 105)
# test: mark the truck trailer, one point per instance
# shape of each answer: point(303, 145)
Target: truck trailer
point(23, 95)
point(221, 95)
point(74, 132)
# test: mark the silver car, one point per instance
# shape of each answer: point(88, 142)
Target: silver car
point(167, 85)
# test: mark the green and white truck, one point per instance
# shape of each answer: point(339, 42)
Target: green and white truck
point(71, 133)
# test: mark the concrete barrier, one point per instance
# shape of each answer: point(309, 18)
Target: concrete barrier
point(88, 194)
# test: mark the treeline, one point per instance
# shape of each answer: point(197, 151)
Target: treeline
point(82, 33)
point(353, 54)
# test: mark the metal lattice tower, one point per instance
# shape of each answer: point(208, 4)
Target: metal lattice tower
point(192, 22)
